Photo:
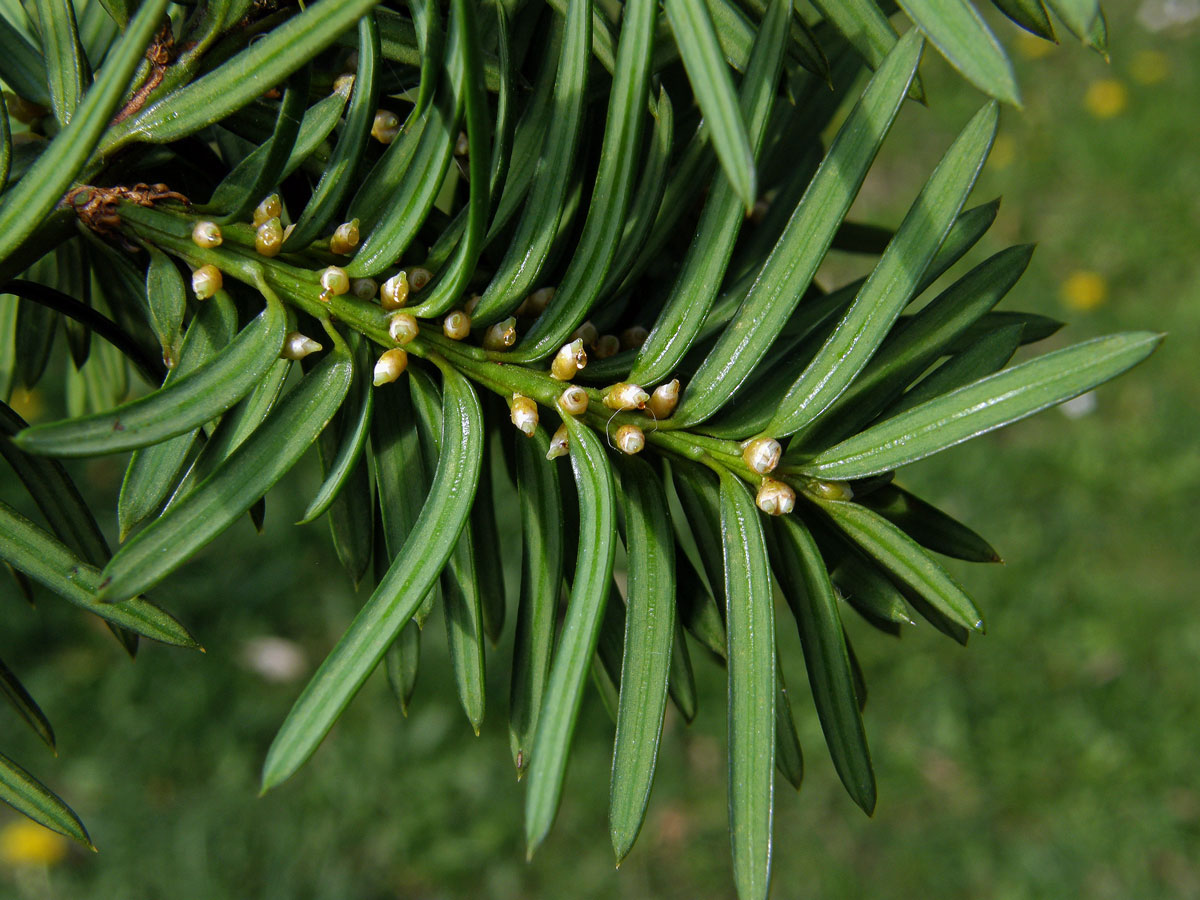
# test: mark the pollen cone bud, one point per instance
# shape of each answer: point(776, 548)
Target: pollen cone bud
point(394, 293)
point(386, 126)
point(574, 400)
point(535, 304)
point(364, 288)
point(268, 237)
point(390, 366)
point(334, 281)
point(775, 498)
point(762, 454)
point(560, 444)
point(605, 346)
point(206, 234)
point(633, 337)
point(626, 396)
point(270, 208)
point(663, 400)
point(343, 84)
point(418, 278)
point(587, 333)
point(403, 327)
point(462, 146)
point(500, 336)
point(456, 325)
point(569, 359)
point(630, 439)
point(298, 346)
point(345, 238)
point(524, 413)
point(830, 490)
point(206, 281)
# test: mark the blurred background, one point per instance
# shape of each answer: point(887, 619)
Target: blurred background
point(1053, 757)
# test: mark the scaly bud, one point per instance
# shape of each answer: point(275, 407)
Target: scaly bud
point(472, 304)
point(206, 281)
point(574, 400)
point(663, 400)
point(462, 146)
point(268, 237)
point(345, 238)
point(418, 278)
point(633, 337)
point(606, 345)
point(762, 454)
point(829, 490)
point(206, 235)
point(630, 439)
point(297, 346)
point(390, 366)
point(386, 126)
point(456, 325)
point(775, 498)
point(626, 396)
point(270, 208)
point(524, 414)
point(402, 327)
point(394, 293)
point(569, 359)
point(364, 288)
point(535, 304)
point(560, 444)
point(334, 282)
point(343, 84)
point(500, 336)
point(587, 333)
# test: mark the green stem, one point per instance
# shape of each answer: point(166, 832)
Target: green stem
point(170, 229)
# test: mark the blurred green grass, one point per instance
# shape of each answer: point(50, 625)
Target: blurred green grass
point(1054, 757)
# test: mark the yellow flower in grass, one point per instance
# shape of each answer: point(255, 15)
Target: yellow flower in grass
point(24, 842)
point(1084, 290)
point(1106, 98)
